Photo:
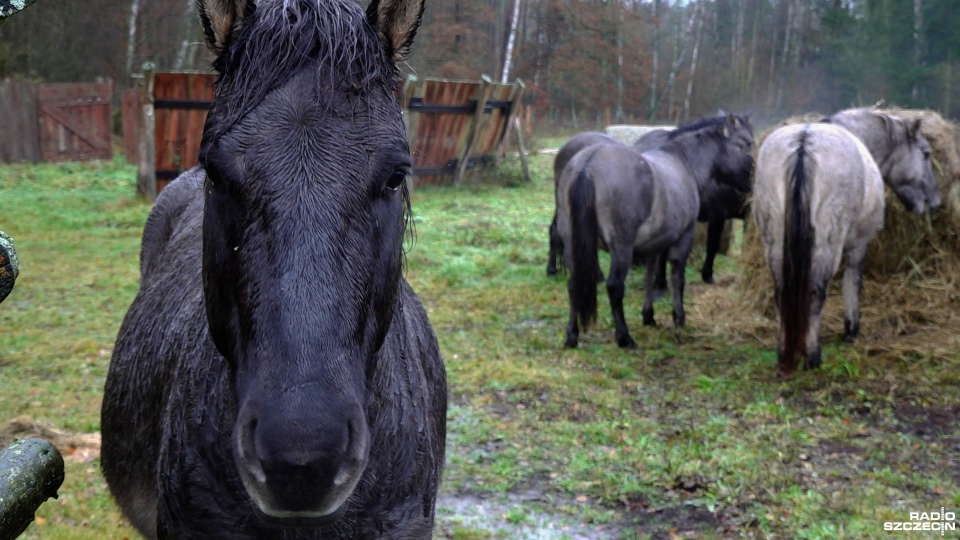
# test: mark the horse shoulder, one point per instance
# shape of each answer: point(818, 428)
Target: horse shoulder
point(408, 421)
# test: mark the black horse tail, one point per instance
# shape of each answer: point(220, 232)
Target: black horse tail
point(798, 239)
point(585, 263)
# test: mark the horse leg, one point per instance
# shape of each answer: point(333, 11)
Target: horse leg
point(714, 236)
point(660, 287)
point(620, 260)
point(818, 297)
point(852, 287)
point(678, 265)
point(649, 280)
point(556, 247)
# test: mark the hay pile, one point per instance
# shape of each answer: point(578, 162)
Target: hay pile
point(912, 277)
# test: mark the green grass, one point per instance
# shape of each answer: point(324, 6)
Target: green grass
point(690, 432)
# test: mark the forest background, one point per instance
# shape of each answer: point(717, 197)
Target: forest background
point(586, 63)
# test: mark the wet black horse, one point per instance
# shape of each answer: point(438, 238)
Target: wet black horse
point(276, 377)
point(645, 204)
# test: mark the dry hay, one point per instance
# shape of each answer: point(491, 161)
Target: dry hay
point(74, 447)
point(912, 275)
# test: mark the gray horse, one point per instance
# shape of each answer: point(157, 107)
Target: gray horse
point(718, 202)
point(818, 200)
point(646, 204)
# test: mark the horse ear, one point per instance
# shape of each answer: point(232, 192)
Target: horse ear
point(915, 127)
point(723, 130)
point(396, 22)
point(222, 19)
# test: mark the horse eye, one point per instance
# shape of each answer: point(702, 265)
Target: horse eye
point(396, 180)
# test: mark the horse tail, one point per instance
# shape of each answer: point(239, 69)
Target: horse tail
point(585, 264)
point(798, 240)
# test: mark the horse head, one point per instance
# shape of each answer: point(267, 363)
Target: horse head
point(306, 158)
point(907, 169)
point(734, 162)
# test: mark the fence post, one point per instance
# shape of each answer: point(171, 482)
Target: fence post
point(513, 121)
point(486, 88)
point(146, 173)
point(410, 119)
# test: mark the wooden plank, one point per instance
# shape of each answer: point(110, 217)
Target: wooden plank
point(19, 138)
point(473, 132)
point(146, 179)
point(131, 113)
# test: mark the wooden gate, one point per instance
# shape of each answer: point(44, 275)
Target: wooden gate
point(173, 109)
point(74, 121)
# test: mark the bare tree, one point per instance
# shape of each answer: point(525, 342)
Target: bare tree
point(508, 57)
point(132, 34)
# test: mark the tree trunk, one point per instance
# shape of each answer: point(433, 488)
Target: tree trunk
point(656, 60)
point(917, 44)
point(31, 472)
point(9, 7)
point(511, 41)
point(693, 64)
point(132, 35)
point(188, 15)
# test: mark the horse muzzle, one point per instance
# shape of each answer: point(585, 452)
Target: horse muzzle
point(300, 467)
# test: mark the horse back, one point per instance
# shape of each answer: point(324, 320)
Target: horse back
point(577, 143)
point(846, 198)
point(164, 323)
point(622, 190)
point(675, 200)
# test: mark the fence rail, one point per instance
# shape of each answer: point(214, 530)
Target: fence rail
point(452, 126)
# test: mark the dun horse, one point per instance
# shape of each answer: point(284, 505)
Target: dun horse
point(718, 202)
point(276, 377)
point(645, 204)
point(818, 200)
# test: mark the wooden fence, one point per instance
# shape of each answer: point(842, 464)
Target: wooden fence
point(55, 122)
point(452, 126)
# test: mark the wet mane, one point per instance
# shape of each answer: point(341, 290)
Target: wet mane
point(283, 36)
point(708, 122)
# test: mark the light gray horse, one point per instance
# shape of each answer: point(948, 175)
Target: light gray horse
point(818, 200)
point(647, 204)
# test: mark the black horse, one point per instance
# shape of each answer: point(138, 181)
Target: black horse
point(718, 203)
point(276, 377)
point(643, 204)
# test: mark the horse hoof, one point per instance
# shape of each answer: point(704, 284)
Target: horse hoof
point(551, 271)
point(627, 343)
point(570, 344)
point(708, 280)
point(812, 361)
point(659, 293)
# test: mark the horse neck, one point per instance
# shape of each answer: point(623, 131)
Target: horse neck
point(697, 155)
point(873, 133)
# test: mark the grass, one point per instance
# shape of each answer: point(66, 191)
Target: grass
point(688, 434)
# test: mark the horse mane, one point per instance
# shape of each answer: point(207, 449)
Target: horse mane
point(710, 121)
point(280, 38)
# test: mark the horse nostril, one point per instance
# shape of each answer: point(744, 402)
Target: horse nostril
point(248, 450)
